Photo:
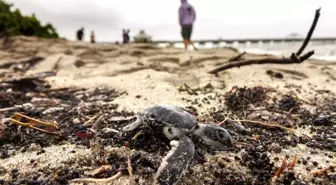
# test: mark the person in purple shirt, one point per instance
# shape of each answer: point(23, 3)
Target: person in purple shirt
point(187, 17)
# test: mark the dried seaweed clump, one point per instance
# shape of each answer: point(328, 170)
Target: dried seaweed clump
point(327, 106)
point(288, 102)
point(257, 160)
point(241, 98)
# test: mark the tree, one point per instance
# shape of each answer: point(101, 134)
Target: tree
point(14, 23)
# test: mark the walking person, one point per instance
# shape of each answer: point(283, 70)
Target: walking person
point(187, 17)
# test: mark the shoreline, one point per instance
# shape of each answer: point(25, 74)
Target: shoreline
point(275, 51)
point(323, 52)
point(330, 58)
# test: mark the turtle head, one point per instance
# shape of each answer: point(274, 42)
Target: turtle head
point(198, 129)
point(213, 135)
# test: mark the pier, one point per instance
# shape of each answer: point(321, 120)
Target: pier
point(250, 40)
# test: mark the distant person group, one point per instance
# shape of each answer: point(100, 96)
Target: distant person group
point(187, 17)
point(80, 35)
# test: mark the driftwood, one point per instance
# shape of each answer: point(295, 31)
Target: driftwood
point(93, 180)
point(28, 63)
point(310, 33)
point(25, 78)
point(56, 66)
point(292, 60)
point(237, 58)
point(295, 58)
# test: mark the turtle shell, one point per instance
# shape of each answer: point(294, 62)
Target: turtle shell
point(170, 115)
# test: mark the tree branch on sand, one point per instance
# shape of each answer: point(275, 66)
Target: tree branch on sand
point(237, 58)
point(310, 33)
point(295, 58)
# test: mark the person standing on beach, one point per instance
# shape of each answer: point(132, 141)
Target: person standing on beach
point(187, 17)
point(125, 36)
point(93, 37)
point(80, 34)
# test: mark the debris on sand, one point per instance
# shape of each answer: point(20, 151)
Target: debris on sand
point(23, 65)
point(288, 103)
point(23, 107)
point(88, 118)
point(33, 123)
point(195, 91)
point(241, 98)
point(20, 81)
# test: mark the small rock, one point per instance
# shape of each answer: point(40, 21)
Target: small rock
point(41, 152)
point(109, 130)
point(5, 154)
point(275, 147)
point(315, 163)
point(28, 107)
point(15, 170)
point(76, 121)
point(138, 96)
point(79, 97)
point(304, 162)
point(34, 147)
point(53, 110)
point(322, 120)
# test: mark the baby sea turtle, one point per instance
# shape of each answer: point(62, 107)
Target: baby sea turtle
point(178, 125)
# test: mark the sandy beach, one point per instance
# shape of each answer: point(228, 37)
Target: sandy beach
point(144, 75)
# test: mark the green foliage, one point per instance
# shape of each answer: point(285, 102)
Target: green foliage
point(14, 23)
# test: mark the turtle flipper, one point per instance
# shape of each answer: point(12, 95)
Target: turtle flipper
point(176, 162)
point(132, 126)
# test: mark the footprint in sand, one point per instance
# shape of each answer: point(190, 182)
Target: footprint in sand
point(174, 60)
point(146, 47)
point(294, 74)
point(127, 71)
point(194, 61)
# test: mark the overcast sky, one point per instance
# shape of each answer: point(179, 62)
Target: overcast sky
point(215, 18)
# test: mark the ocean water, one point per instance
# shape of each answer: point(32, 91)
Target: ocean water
point(323, 51)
